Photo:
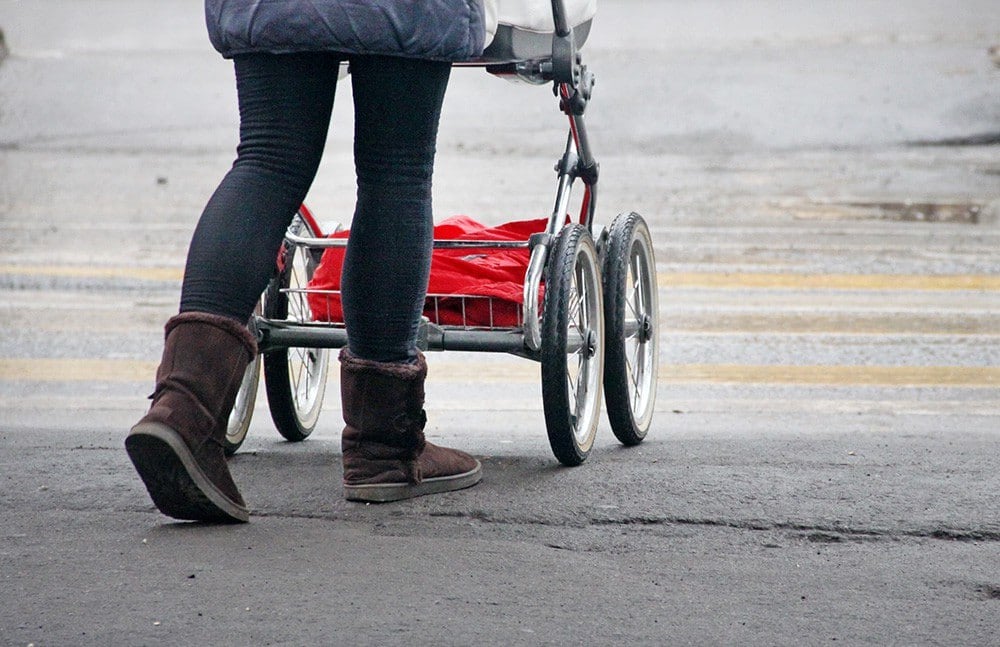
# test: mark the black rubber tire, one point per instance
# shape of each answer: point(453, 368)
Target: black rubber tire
point(632, 330)
point(573, 302)
point(282, 381)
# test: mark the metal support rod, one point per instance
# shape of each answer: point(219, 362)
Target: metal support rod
point(583, 149)
point(560, 19)
point(477, 340)
point(532, 281)
point(564, 191)
point(276, 336)
point(326, 243)
point(586, 167)
point(539, 254)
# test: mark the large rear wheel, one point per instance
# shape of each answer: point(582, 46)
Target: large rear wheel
point(572, 351)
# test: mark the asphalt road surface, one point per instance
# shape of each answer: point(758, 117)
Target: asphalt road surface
point(822, 181)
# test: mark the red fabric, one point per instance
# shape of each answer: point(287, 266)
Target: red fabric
point(496, 273)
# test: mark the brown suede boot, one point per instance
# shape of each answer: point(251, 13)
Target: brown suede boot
point(385, 455)
point(177, 448)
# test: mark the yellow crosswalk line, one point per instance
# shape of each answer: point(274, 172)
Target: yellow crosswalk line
point(519, 371)
point(838, 375)
point(975, 282)
point(709, 280)
point(95, 272)
point(77, 370)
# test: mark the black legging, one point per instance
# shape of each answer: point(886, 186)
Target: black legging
point(285, 105)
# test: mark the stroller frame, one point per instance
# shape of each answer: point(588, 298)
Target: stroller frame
point(565, 330)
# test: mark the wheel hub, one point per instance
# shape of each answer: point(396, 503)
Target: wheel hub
point(589, 344)
point(645, 329)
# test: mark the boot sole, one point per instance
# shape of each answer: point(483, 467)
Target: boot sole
point(178, 486)
point(386, 492)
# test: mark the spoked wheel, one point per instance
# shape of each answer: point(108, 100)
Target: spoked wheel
point(572, 352)
point(631, 314)
point(295, 378)
point(246, 398)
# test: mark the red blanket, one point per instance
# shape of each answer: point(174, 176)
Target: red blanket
point(480, 273)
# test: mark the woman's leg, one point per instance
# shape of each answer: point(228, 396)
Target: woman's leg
point(386, 457)
point(285, 104)
point(177, 447)
point(397, 105)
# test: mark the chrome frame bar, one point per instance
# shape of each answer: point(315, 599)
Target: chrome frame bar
point(276, 335)
point(327, 243)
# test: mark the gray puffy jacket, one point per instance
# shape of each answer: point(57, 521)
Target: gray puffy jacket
point(447, 30)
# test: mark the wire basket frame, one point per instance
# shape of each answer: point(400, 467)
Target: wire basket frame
point(436, 309)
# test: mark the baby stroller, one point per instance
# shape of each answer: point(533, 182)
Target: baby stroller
point(586, 308)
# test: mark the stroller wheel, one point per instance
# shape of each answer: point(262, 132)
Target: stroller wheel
point(246, 398)
point(295, 378)
point(631, 313)
point(572, 353)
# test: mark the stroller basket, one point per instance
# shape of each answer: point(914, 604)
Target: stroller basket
point(477, 274)
point(462, 311)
